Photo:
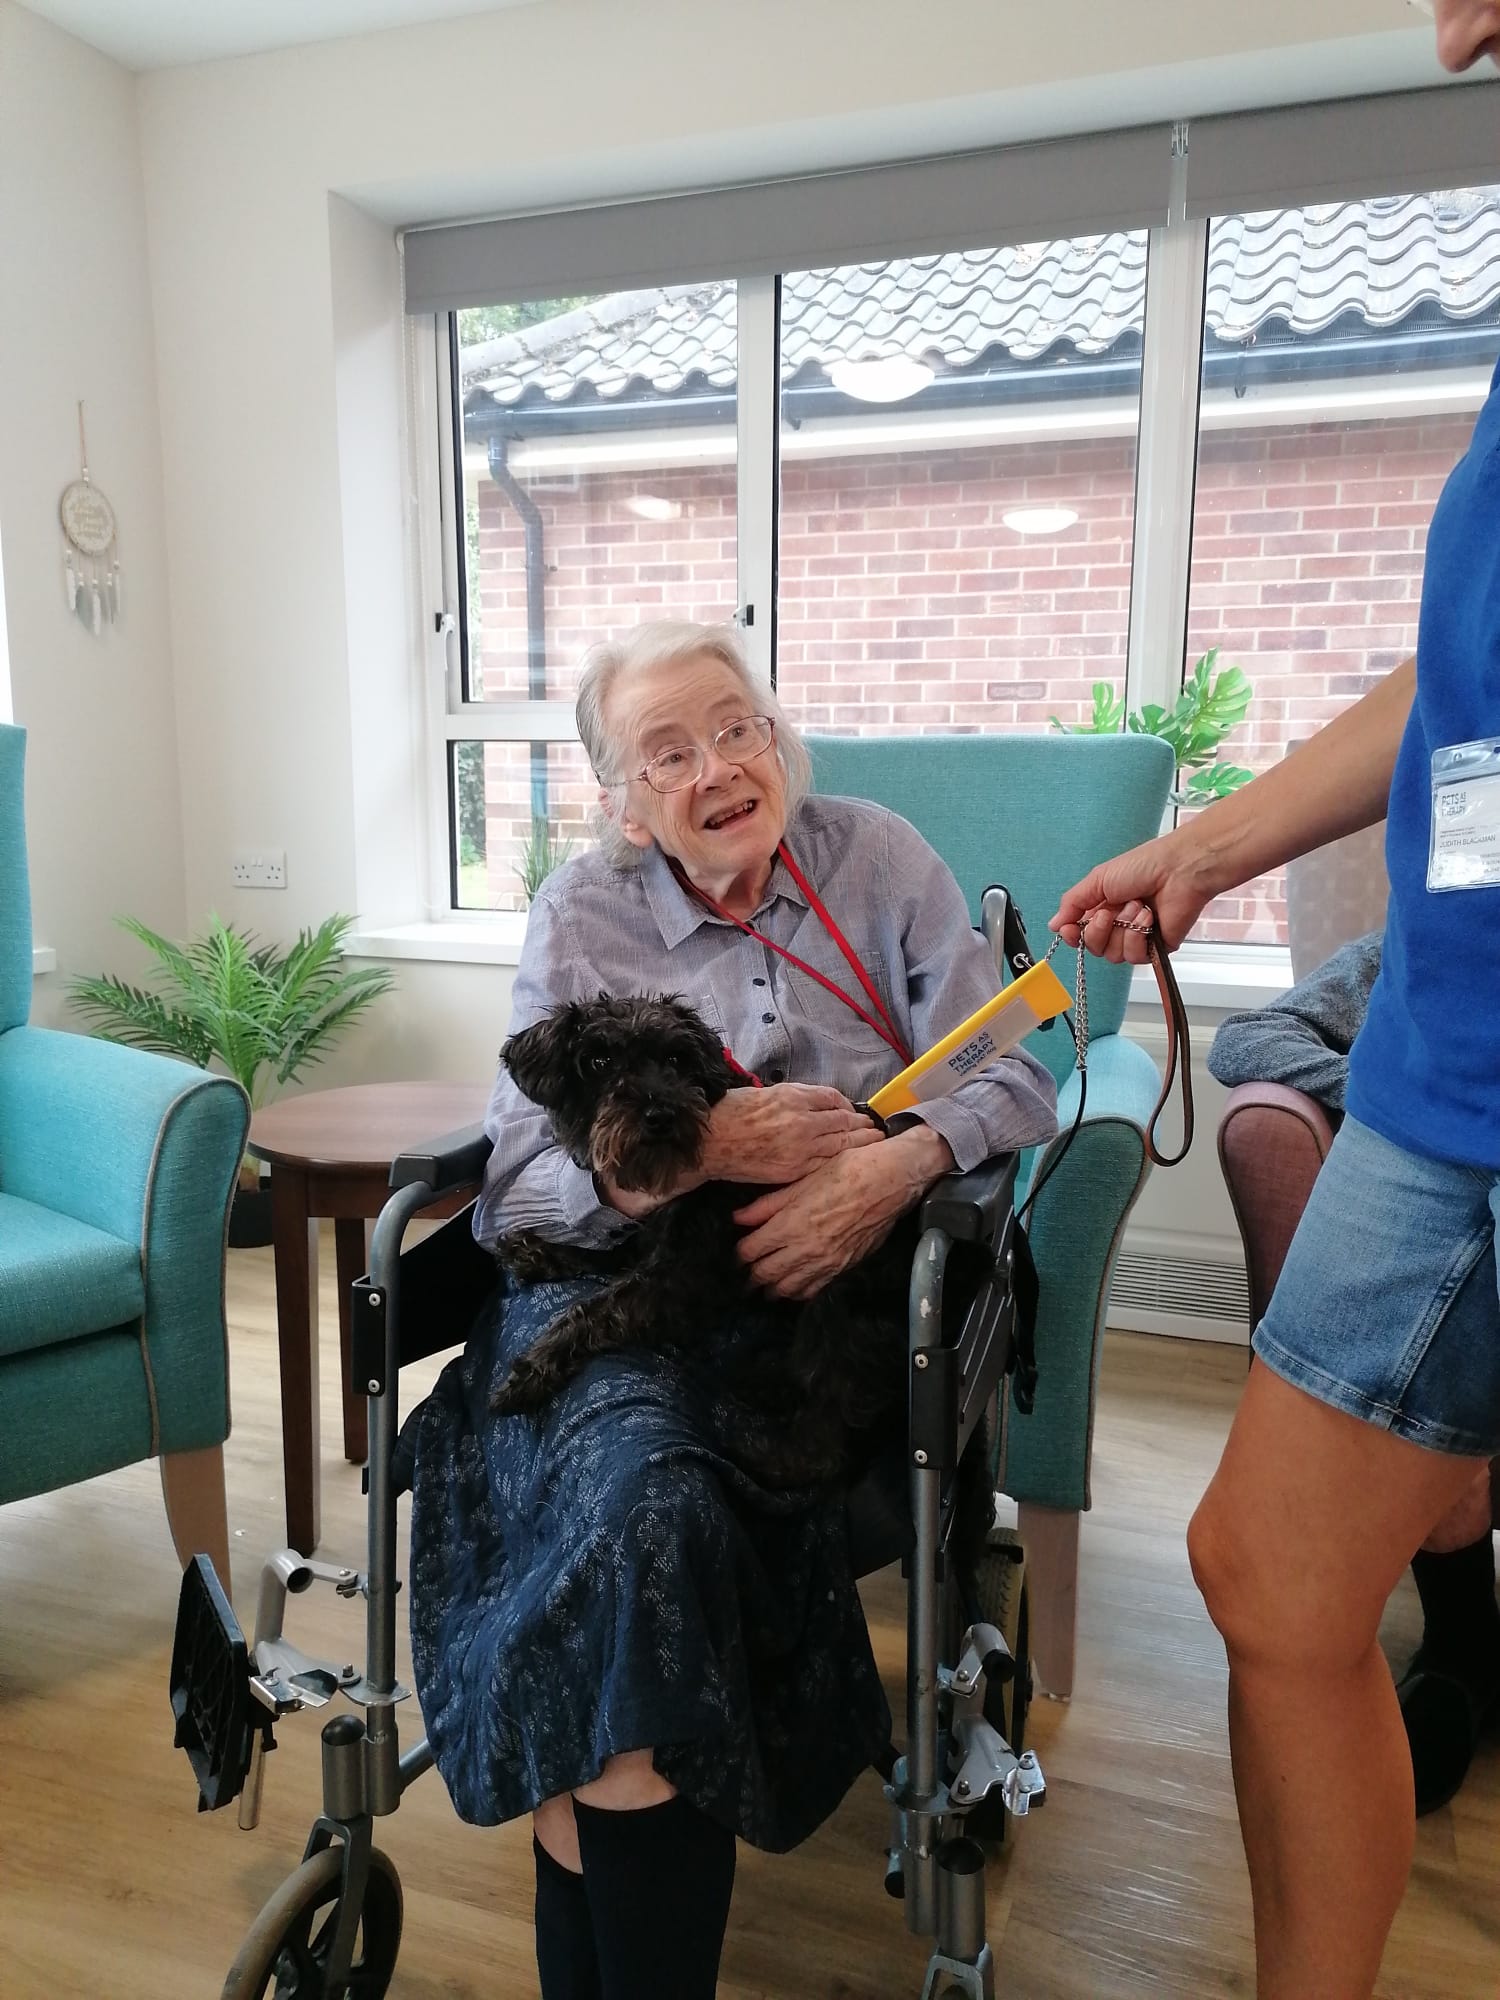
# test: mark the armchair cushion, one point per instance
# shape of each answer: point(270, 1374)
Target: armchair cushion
point(60, 1278)
point(81, 1121)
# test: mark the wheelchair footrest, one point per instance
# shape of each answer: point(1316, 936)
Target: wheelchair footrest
point(217, 1718)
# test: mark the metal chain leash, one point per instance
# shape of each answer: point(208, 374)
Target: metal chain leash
point(1081, 985)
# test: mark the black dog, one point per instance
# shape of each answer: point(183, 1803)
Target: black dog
point(629, 1085)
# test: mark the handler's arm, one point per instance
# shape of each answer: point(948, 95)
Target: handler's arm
point(1336, 784)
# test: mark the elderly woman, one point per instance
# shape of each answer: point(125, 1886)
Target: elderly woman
point(614, 1627)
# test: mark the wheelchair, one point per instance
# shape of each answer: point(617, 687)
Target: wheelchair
point(332, 1930)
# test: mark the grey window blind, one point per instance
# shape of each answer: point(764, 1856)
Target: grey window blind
point(1407, 143)
point(1014, 194)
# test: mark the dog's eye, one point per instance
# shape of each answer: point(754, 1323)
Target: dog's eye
point(670, 1061)
point(598, 1063)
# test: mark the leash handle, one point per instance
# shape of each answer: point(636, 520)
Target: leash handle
point(1179, 1040)
point(1179, 1050)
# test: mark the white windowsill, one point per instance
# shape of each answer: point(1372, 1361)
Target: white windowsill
point(494, 940)
point(1224, 978)
point(43, 959)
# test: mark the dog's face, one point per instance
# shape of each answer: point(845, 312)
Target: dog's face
point(629, 1084)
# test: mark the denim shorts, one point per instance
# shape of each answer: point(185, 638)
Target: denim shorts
point(1388, 1305)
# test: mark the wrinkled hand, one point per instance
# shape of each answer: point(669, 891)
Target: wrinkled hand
point(1168, 873)
point(777, 1135)
point(801, 1237)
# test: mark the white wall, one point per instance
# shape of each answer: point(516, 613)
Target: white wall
point(104, 828)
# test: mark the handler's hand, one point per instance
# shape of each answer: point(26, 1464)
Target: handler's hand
point(772, 1136)
point(801, 1237)
point(1168, 873)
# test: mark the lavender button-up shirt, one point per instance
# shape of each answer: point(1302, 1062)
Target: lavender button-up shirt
point(596, 928)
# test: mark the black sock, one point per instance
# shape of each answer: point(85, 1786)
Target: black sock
point(658, 1882)
point(566, 1962)
point(1461, 1623)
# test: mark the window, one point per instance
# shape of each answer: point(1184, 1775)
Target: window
point(1347, 348)
point(958, 443)
point(961, 488)
point(595, 459)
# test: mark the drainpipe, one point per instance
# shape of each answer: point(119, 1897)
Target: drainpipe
point(536, 606)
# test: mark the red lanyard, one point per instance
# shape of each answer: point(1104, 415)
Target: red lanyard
point(885, 1027)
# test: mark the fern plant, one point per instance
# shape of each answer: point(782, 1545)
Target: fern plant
point(262, 1012)
point(1211, 704)
point(542, 853)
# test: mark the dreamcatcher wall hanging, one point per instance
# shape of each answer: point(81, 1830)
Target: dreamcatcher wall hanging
point(91, 566)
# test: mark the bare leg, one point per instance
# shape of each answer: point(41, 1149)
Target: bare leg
point(1309, 1521)
point(626, 1783)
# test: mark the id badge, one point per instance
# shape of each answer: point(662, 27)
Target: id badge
point(1465, 848)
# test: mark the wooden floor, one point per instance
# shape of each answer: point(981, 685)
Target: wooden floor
point(1130, 1883)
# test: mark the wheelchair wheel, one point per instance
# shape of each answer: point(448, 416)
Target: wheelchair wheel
point(285, 1954)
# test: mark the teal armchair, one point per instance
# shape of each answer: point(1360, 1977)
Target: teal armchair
point(1035, 813)
point(116, 1173)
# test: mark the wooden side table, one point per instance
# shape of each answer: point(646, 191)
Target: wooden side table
point(330, 1154)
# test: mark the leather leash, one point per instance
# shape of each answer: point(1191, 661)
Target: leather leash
point(1179, 1043)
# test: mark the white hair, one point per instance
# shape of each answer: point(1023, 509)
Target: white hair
point(671, 642)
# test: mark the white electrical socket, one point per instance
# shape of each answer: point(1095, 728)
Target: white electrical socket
point(258, 868)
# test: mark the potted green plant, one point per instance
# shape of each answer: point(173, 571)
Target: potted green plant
point(542, 852)
point(1211, 704)
point(261, 1012)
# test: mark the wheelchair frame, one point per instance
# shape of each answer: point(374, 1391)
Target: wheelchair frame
point(955, 1760)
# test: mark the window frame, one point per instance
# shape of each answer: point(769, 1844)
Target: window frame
point(1169, 420)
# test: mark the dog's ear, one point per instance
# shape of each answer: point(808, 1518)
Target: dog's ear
point(712, 1070)
point(538, 1057)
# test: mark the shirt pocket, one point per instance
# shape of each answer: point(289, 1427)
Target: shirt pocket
point(707, 1005)
point(832, 1019)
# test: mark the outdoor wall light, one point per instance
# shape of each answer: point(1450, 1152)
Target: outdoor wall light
point(653, 506)
point(885, 378)
point(1040, 520)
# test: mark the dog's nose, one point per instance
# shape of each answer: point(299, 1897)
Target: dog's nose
point(657, 1118)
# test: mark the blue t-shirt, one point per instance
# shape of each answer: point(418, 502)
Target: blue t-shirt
point(1425, 1070)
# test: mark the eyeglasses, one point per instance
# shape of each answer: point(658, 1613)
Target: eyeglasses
point(738, 742)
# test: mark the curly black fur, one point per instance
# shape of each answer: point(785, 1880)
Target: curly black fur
point(629, 1084)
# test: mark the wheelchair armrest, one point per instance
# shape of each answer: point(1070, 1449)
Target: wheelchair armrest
point(454, 1161)
point(972, 1207)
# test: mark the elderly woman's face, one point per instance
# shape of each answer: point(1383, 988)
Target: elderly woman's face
point(726, 823)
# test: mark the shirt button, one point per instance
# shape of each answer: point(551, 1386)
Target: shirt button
point(768, 1019)
point(776, 1075)
point(757, 982)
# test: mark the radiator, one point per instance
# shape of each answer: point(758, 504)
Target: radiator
point(1187, 1294)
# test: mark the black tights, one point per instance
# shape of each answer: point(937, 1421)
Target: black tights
point(646, 1919)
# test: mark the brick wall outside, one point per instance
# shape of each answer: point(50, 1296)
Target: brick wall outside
point(908, 605)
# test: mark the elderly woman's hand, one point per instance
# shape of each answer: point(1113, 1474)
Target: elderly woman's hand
point(778, 1134)
point(801, 1237)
